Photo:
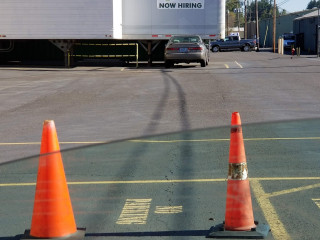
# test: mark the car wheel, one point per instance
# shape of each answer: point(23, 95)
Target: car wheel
point(246, 48)
point(203, 63)
point(215, 49)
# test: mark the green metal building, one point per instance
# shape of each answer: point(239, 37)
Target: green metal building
point(306, 30)
point(284, 24)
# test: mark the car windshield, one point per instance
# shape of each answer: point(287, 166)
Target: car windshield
point(181, 39)
point(288, 37)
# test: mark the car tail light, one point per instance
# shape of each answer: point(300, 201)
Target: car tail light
point(195, 48)
point(172, 49)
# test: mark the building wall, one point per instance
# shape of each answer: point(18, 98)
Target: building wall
point(284, 25)
point(306, 33)
point(252, 31)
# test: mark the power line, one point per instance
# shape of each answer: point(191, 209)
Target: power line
point(283, 2)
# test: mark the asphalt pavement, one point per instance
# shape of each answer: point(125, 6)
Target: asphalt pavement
point(168, 184)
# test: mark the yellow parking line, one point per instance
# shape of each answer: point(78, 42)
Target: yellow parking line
point(150, 181)
point(98, 142)
point(16, 184)
point(166, 181)
point(168, 209)
point(221, 140)
point(238, 64)
point(21, 143)
point(226, 65)
point(316, 201)
point(285, 178)
point(122, 182)
point(177, 141)
point(166, 141)
point(278, 230)
point(38, 143)
point(135, 211)
point(292, 190)
point(273, 139)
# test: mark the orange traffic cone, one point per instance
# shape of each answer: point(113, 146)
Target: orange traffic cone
point(52, 213)
point(239, 214)
point(239, 221)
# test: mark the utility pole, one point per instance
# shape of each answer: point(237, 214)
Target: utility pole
point(257, 26)
point(238, 16)
point(250, 11)
point(274, 25)
point(245, 20)
point(318, 31)
point(227, 22)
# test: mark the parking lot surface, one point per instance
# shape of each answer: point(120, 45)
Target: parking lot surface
point(176, 180)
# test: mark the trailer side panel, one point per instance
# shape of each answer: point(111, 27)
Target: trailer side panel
point(110, 19)
point(58, 19)
point(146, 19)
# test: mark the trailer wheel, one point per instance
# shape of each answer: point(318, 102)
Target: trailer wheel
point(215, 49)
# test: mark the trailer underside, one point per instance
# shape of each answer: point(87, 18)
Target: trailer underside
point(70, 53)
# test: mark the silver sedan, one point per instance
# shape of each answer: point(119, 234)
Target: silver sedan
point(186, 49)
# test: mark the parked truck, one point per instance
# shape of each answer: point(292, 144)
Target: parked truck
point(289, 40)
point(233, 42)
point(69, 24)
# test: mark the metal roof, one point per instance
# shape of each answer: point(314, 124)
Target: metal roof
point(309, 15)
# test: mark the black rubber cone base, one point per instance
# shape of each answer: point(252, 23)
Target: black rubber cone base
point(78, 235)
point(260, 232)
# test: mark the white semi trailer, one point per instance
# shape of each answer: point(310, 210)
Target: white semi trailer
point(69, 22)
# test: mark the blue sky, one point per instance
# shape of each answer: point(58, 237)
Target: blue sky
point(292, 5)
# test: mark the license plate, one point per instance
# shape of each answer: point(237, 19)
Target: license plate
point(183, 50)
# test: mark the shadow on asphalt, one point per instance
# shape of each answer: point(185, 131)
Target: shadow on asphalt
point(185, 233)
